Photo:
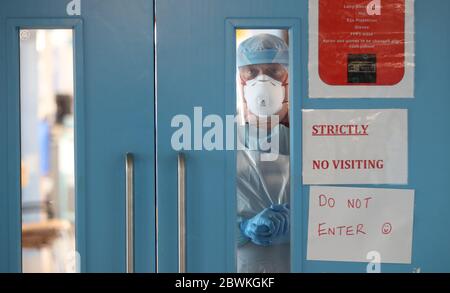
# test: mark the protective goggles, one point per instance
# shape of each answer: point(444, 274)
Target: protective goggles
point(276, 71)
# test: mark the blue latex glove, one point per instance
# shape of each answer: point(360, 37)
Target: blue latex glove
point(284, 236)
point(284, 209)
point(268, 226)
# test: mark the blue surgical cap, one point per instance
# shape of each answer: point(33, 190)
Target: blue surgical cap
point(262, 49)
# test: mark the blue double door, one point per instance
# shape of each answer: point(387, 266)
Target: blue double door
point(135, 72)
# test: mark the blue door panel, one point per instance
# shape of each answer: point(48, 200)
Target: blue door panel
point(114, 84)
point(197, 39)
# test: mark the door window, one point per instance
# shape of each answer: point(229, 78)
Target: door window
point(47, 150)
point(263, 156)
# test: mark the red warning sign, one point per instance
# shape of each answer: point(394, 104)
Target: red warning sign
point(361, 42)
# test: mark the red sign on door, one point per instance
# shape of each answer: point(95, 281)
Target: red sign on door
point(361, 42)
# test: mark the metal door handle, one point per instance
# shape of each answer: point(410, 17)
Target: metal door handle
point(129, 211)
point(181, 214)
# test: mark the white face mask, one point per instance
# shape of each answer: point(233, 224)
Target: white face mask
point(264, 95)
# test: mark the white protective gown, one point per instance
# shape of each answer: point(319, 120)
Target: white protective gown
point(259, 185)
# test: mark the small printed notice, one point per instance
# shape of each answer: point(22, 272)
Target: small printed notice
point(361, 48)
point(355, 147)
point(346, 224)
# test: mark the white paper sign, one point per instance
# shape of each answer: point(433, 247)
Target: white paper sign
point(345, 224)
point(355, 147)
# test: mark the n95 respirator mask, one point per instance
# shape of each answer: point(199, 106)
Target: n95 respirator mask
point(264, 95)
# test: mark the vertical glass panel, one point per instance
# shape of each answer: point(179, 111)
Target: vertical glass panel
point(47, 150)
point(263, 177)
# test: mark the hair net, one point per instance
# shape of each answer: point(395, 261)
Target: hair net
point(263, 49)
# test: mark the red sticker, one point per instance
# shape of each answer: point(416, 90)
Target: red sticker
point(361, 42)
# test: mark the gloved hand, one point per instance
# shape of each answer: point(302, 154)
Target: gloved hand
point(284, 236)
point(269, 226)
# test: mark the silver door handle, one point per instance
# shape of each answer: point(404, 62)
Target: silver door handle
point(181, 214)
point(129, 211)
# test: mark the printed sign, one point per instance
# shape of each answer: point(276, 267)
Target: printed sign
point(361, 48)
point(355, 147)
point(347, 224)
